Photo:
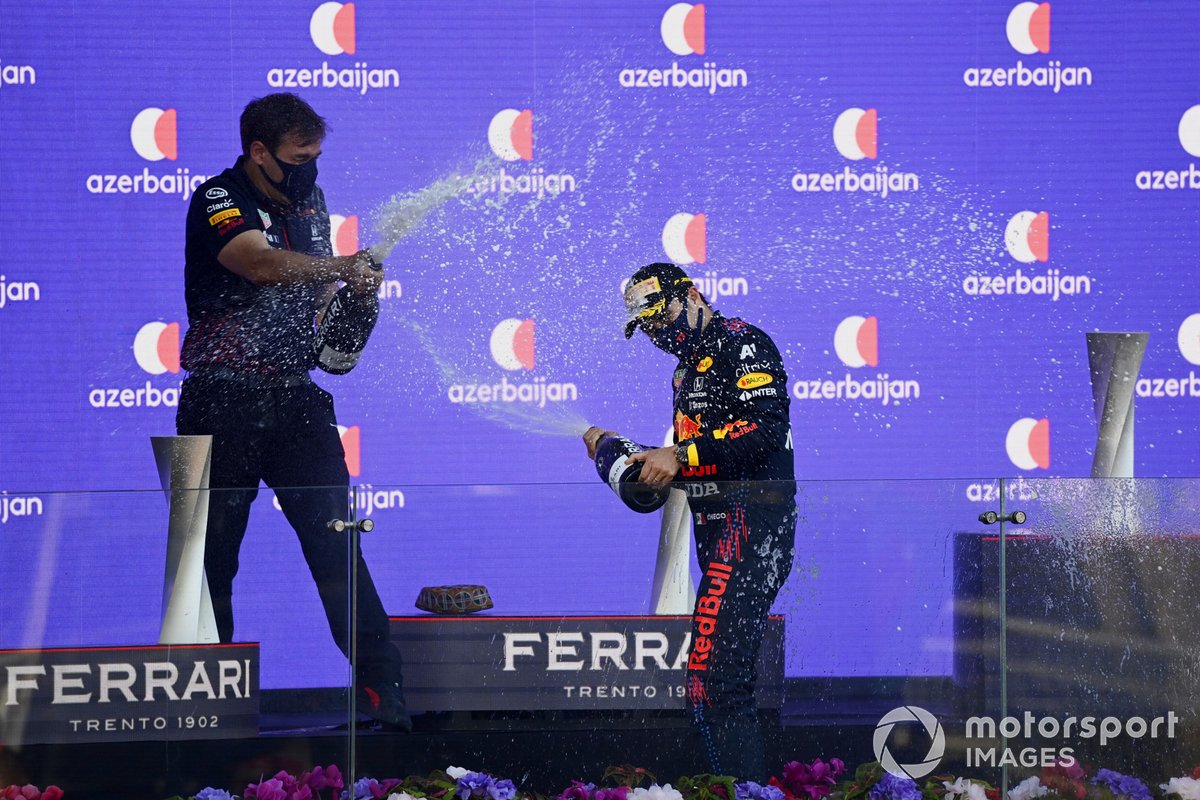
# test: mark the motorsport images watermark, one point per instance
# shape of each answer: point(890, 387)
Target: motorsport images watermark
point(1055, 735)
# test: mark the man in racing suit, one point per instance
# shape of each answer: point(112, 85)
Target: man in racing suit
point(734, 450)
point(258, 266)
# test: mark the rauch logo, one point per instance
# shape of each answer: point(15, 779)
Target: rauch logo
point(1188, 385)
point(684, 32)
point(1027, 240)
point(1028, 443)
point(154, 136)
point(856, 343)
point(1189, 138)
point(512, 345)
point(510, 135)
point(334, 31)
point(1028, 30)
point(343, 235)
point(856, 137)
point(156, 351)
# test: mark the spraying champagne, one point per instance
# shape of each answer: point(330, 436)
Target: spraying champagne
point(345, 327)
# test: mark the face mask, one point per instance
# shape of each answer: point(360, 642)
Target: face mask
point(298, 179)
point(677, 338)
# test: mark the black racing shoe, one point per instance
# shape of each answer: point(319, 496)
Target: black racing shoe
point(384, 703)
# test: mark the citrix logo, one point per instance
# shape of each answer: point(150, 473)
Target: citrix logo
point(153, 134)
point(1028, 443)
point(332, 28)
point(856, 341)
point(156, 347)
point(1028, 28)
point(343, 234)
point(510, 134)
point(683, 29)
point(512, 344)
point(856, 133)
point(933, 728)
point(1027, 236)
point(685, 238)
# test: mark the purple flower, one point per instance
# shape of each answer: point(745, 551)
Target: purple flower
point(267, 790)
point(502, 790)
point(578, 790)
point(749, 790)
point(473, 784)
point(618, 793)
point(815, 780)
point(891, 787)
point(326, 778)
point(209, 793)
point(1125, 787)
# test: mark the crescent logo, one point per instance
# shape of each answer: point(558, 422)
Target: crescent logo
point(856, 341)
point(754, 380)
point(683, 29)
point(1027, 236)
point(685, 238)
point(1028, 443)
point(510, 134)
point(1189, 339)
point(856, 133)
point(512, 344)
point(332, 28)
point(1029, 28)
point(156, 347)
point(352, 445)
point(1189, 131)
point(153, 134)
point(343, 233)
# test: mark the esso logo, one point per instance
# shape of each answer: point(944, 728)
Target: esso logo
point(856, 341)
point(512, 344)
point(1027, 236)
point(153, 134)
point(1028, 443)
point(856, 133)
point(156, 347)
point(685, 238)
point(343, 234)
point(1029, 28)
point(683, 29)
point(332, 28)
point(510, 134)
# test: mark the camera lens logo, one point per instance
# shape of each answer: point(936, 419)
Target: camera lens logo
point(683, 29)
point(512, 344)
point(153, 134)
point(1027, 236)
point(685, 238)
point(511, 134)
point(1028, 443)
point(1189, 131)
point(1189, 339)
point(933, 728)
point(856, 133)
point(343, 233)
point(1029, 28)
point(856, 341)
point(332, 28)
point(156, 347)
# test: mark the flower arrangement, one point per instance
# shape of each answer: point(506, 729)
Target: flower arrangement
point(30, 792)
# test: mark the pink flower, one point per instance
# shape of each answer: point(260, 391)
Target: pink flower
point(267, 790)
point(30, 792)
point(814, 780)
point(326, 778)
point(52, 792)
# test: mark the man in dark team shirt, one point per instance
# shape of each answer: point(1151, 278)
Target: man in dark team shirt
point(259, 266)
point(734, 450)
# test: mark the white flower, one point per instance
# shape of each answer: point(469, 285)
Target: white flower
point(964, 786)
point(456, 772)
point(400, 796)
point(656, 792)
point(1187, 788)
point(1028, 789)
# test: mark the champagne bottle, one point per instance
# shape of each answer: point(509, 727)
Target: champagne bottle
point(347, 324)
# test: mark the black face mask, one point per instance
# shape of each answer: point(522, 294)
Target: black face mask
point(677, 338)
point(298, 179)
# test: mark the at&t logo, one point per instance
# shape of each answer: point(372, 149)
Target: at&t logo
point(1188, 385)
point(1027, 240)
point(156, 351)
point(1028, 31)
point(1189, 138)
point(154, 136)
point(1028, 443)
point(510, 136)
point(684, 32)
point(856, 343)
point(334, 31)
point(856, 138)
point(512, 346)
point(932, 730)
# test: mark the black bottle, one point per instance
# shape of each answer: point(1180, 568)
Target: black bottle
point(349, 319)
